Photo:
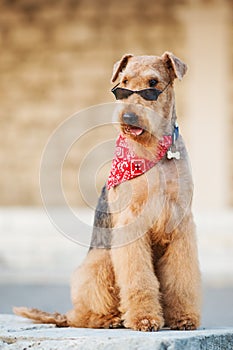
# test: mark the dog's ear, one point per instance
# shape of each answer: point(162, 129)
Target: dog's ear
point(120, 66)
point(175, 65)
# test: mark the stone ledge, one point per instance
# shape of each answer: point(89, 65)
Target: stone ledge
point(18, 333)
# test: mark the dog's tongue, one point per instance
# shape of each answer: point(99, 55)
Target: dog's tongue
point(133, 130)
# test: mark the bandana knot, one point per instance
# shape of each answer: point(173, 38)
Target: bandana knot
point(126, 165)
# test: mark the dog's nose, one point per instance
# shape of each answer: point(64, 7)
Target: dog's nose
point(130, 118)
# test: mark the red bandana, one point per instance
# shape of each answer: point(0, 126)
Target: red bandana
point(126, 164)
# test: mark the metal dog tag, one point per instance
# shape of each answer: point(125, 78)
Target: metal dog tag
point(171, 155)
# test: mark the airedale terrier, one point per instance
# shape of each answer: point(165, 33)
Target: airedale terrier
point(141, 271)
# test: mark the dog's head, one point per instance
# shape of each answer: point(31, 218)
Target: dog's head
point(145, 90)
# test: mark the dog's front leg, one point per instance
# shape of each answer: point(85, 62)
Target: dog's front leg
point(180, 281)
point(139, 287)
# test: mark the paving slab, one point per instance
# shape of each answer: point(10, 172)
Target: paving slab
point(18, 333)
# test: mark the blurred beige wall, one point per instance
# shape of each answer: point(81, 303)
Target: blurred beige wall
point(56, 59)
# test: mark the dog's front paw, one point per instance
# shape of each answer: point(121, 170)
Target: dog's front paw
point(145, 324)
point(185, 323)
point(116, 322)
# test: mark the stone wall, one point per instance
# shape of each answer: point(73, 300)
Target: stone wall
point(56, 59)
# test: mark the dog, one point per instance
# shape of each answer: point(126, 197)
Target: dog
point(141, 271)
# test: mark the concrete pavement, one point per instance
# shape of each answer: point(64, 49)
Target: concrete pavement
point(17, 334)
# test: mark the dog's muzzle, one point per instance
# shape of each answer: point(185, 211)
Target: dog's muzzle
point(131, 124)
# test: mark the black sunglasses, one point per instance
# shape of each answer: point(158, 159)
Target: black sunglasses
point(150, 94)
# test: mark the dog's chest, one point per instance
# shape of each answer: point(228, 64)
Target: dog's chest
point(151, 199)
point(140, 194)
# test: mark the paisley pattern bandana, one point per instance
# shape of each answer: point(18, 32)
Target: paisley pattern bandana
point(126, 165)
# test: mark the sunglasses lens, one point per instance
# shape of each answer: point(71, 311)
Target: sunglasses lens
point(120, 93)
point(115, 93)
point(150, 94)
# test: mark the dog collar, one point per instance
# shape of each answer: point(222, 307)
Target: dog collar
point(126, 165)
point(175, 135)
